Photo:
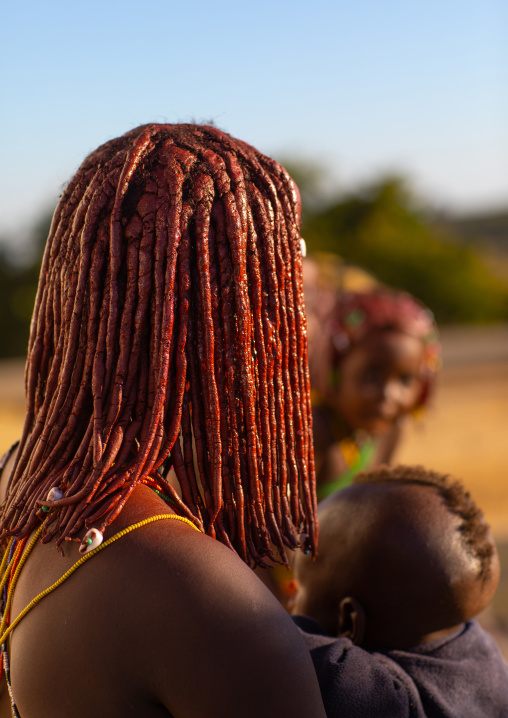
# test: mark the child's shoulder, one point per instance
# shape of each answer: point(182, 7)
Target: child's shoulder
point(462, 674)
point(465, 671)
point(354, 681)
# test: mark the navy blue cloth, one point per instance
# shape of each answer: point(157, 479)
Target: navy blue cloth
point(460, 676)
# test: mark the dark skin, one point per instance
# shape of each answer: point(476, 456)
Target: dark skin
point(166, 621)
point(392, 572)
point(378, 384)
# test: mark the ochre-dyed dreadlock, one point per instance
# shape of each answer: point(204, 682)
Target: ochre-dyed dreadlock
point(169, 322)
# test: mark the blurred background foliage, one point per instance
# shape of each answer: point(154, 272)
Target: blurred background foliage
point(20, 261)
point(382, 229)
point(458, 266)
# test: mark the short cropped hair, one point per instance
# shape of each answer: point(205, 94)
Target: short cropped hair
point(473, 528)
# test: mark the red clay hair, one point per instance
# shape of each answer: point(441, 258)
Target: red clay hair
point(170, 312)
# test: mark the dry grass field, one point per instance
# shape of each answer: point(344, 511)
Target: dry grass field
point(465, 433)
point(12, 405)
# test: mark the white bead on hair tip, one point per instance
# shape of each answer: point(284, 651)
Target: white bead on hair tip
point(54, 494)
point(91, 540)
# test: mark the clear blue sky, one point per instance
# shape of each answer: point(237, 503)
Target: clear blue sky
point(419, 86)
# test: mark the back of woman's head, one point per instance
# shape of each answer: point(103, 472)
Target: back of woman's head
point(169, 329)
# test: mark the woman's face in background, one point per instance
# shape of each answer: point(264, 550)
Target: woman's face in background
point(380, 379)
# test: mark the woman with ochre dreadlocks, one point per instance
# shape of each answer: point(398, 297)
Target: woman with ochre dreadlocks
point(373, 361)
point(168, 337)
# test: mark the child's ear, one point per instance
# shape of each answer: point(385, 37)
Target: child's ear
point(351, 620)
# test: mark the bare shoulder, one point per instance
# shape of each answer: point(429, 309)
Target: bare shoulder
point(203, 618)
point(173, 622)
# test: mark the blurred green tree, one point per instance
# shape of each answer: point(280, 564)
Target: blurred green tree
point(383, 229)
point(19, 275)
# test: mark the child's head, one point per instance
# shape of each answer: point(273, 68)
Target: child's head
point(383, 353)
point(405, 556)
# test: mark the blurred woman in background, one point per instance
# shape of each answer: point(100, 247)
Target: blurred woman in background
point(373, 360)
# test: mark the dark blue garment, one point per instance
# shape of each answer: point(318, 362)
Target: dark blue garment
point(460, 676)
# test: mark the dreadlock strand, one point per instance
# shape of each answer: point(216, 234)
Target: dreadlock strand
point(269, 360)
point(140, 232)
point(98, 367)
point(204, 188)
point(36, 355)
point(264, 419)
point(198, 431)
point(227, 479)
point(120, 386)
point(162, 327)
point(307, 468)
point(222, 185)
point(180, 469)
point(298, 450)
point(177, 264)
point(188, 456)
point(141, 146)
point(134, 258)
point(81, 462)
point(73, 361)
point(238, 242)
point(64, 209)
point(285, 333)
point(230, 339)
point(274, 349)
point(69, 419)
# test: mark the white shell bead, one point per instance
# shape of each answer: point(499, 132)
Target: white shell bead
point(303, 247)
point(54, 494)
point(91, 540)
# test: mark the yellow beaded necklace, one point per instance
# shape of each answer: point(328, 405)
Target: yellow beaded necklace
point(6, 568)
